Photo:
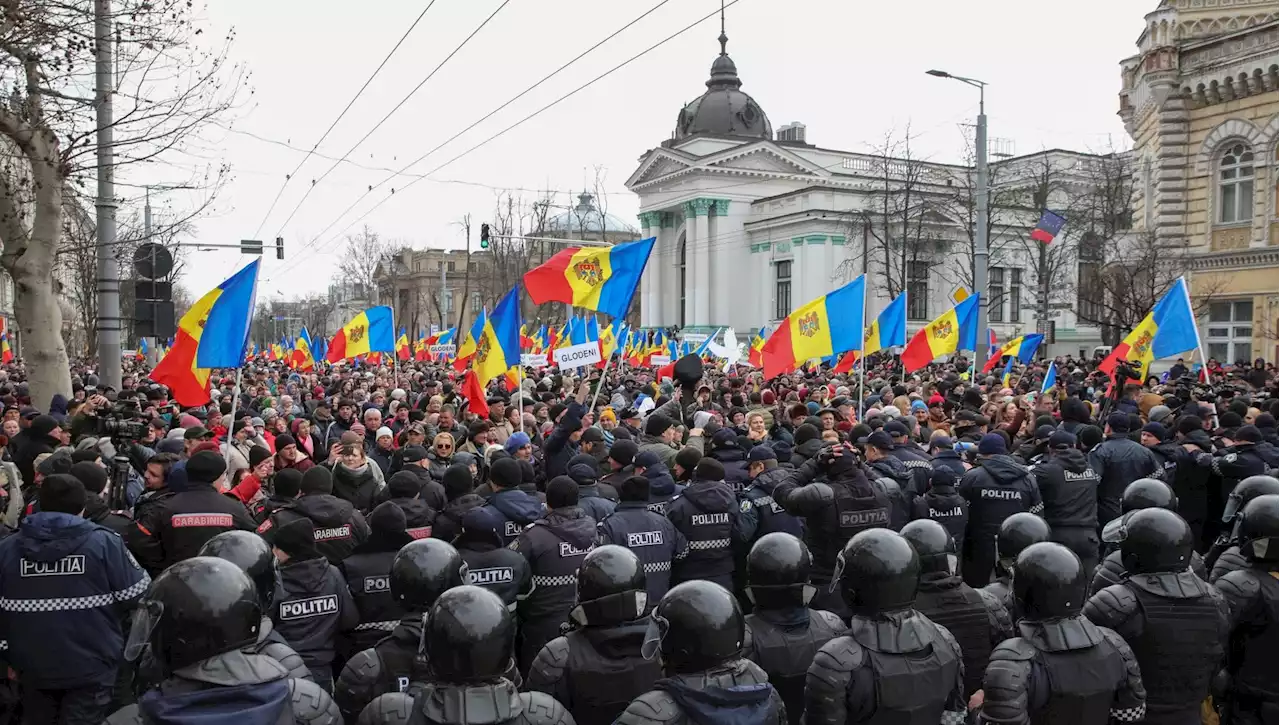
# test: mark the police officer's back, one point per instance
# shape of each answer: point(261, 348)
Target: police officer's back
point(1246, 456)
point(698, 630)
point(1016, 533)
point(763, 476)
point(783, 634)
point(199, 618)
point(1069, 489)
point(647, 533)
point(1174, 621)
point(918, 463)
point(420, 573)
point(317, 605)
point(1225, 555)
point(178, 525)
point(712, 520)
point(490, 564)
point(470, 635)
point(975, 617)
point(339, 527)
point(517, 508)
point(594, 500)
point(1119, 460)
point(1061, 667)
point(367, 570)
point(597, 668)
point(942, 502)
point(255, 558)
point(894, 664)
point(1250, 688)
point(1143, 493)
point(285, 487)
point(996, 489)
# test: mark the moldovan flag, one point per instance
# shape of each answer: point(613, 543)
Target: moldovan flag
point(6, 350)
point(1050, 378)
point(370, 331)
point(826, 326)
point(213, 333)
point(402, 346)
point(498, 342)
point(1023, 348)
point(889, 329)
point(1170, 329)
point(302, 358)
point(957, 329)
point(467, 349)
point(755, 356)
point(602, 279)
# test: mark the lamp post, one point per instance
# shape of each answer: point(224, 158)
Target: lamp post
point(980, 252)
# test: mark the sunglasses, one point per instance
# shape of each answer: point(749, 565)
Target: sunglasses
point(443, 446)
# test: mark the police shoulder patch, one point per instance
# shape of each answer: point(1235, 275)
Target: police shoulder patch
point(745, 506)
point(265, 526)
point(1229, 458)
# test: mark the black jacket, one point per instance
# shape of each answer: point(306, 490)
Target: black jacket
point(448, 523)
point(1069, 489)
point(998, 488)
point(339, 527)
point(97, 511)
point(177, 526)
point(358, 487)
point(555, 546)
point(432, 491)
point(1119, 461)
point(735, 466)
point(316, 607)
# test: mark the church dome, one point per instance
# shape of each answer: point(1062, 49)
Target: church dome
point(586, 218)
point(724, 110)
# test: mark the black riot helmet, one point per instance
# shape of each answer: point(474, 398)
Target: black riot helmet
point(1258, 528)
point(1246, 491)
point(878, 571)
point(196, 609)
point(933, 544)
point(1049, 582)
point(253, 555)
point(1017, 532)
point(778, 572)
point(423, 570)
point(470, 636)
point(1153, 541)
point(611, 587)
point(1144, 493)
point(696, 626)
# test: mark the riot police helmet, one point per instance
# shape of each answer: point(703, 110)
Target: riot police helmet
point(470, 636)
point(196, 609)
point(611, 587)
point(778, 568)
point(1246, 491)
point(1146, 493)
point(1017, 532)
point(253, 555)
point(1258, 528)
point(1155, 540)
point(423, 570)
point(933, 544)
point(697, 625)
point(877, 571)
point(1049, 582)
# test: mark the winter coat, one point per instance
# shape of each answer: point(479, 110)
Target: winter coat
point(359, 486)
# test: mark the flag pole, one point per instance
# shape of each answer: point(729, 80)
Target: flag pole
point(862, 357)
point(235, 401)
point(520, 361)
point(1204, 359)
point(604, 372)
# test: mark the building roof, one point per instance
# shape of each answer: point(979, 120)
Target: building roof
point(586, 218)
point(723, 109)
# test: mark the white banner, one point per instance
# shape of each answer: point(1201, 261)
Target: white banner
point(587, 353)
point(442, 349)
point(658, 361)
point(536, 360)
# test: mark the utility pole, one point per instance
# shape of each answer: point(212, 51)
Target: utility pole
point(980, 234)
point(153, 354)
point(108, 266)
point(444, 309)
point(1043, 325)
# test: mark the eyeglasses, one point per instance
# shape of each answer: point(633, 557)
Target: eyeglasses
point(443, 446)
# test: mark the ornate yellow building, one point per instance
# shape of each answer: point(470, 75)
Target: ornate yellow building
point(1200, 101)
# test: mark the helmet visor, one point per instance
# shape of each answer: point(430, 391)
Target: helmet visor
point(1231, 509)
point(1114, 531)
point(145, 618)
point(653, 635)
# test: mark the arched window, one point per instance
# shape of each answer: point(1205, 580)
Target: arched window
point(1235, 185)
point(684, 269)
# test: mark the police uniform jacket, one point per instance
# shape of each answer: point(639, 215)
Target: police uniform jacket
point(495, 703)
point(713, 521)
point(770, 516)
point(1242, 460)
point(339, 527)
point(652, 537)
point(177, 526)
point(1068, 488)
point(367, 572)
point(944, 504)
point(496, 568)
point(1119, 461)
point(554, 547)
point(316, 607)
point(996, 490)
point(517, 509)
point(918, 463)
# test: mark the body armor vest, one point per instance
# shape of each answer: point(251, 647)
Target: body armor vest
point(1082, 685)
point(1252, 659)
point(1178, 652)
point(786, 653)
point(912, 688)
point(602, 687)
point(401, 665)
point(709, 534)
point(856, 513)
point(964, 613)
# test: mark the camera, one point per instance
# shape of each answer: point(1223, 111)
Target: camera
point(122, 421)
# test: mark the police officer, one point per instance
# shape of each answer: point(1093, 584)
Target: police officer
point(594, 500)
point(199, 618)
point(316, 606)
point(893, 664)
point(890, 474)
point(1016, 533)
point(420, 573)
point(470, 635)
point(177, 526)
point(404, 489)
point(714, 522)
point(1142, 494)
point(339, 527)
point(764, 474)
point(285, 487)
point(368, 573)
point(1119, 460)
point(698, 630)
point(942, 502)
point(517, 508)
point(490, 564)
point(1224, 556)
point(918, 463)
point(976, 619)
point(1250, 677)
point(1069, 489)
point(248, 551)
point(996, 488)
point(1061, 667)
point(1243, 457)
point(554, 546)
point(1175, 623)
point(597, 669)
point(648, 534)
point(833, 511)
point(782, 633)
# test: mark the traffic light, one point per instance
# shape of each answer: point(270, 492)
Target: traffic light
point(279, 247)
point(484, 236)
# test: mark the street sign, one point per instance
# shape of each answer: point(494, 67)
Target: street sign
point(1049, 329)
point(959, 294)
point(251, 246)
point(152, 261)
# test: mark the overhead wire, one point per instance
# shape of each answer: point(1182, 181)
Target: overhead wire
point(329, 130)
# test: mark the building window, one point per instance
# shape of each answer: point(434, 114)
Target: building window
point(684, 278)
point(1088, 283)
point(475, 301)
point(995, 289)
point(1015, 296)
point(448, 301)
point(918, 290)
point(1231, 331)
point(451, 269)
point(782, 289)
point(1235, 186)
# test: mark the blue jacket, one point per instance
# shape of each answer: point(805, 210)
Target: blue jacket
point(65, 585)
point(517, 510)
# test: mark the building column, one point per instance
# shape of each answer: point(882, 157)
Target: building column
point(702, 284)
point(691, 259)
point(649, 228)
point(723, 255)
point(764, 306)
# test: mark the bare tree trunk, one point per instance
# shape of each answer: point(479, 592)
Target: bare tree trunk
point(466, 278)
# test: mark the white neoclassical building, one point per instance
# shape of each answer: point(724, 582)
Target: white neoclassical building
point(751, 223)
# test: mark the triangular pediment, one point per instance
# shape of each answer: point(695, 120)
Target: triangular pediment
point(658, 164)
point(762, 157)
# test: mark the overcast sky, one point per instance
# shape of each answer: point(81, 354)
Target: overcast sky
point(849, 70)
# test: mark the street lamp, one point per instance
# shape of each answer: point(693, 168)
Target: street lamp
point(983, 193)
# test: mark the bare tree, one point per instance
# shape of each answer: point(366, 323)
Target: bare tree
point(363, 253)
point(168, 91)
point(465, 224)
